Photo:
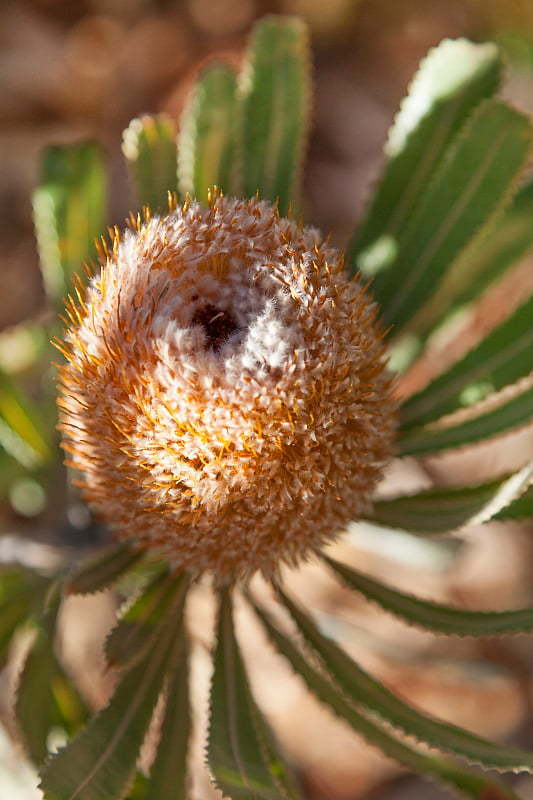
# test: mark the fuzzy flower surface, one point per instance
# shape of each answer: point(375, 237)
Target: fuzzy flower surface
point(224, 397)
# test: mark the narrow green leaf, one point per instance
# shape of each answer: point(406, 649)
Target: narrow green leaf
point(242, 761)
point(208, 131)
point(502, 358)
point(135, 631)
point(69, 207)
point(480, 424)
point(21, 595)
point(441, 769)
point(275, 92)
point(474, 182)
point(451, 81)
point(442, 510)
point(521, 508)
point(22, 433)
point(46, 698)
point(168, 775)
point(149, 145)
point(99, 763)
point(435, 616)
point(488, 257)
point(379, 701)
point(100, 570)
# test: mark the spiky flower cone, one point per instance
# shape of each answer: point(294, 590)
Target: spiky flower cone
point(224, 395)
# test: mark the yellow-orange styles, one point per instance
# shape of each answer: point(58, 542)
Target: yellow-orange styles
point(224, 397)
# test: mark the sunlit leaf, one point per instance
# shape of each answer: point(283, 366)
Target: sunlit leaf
point(435, 616)
point(208, 131)
point(241, 759)
point(490, 255)
point(451, 81)
point(473, 183)
point(521, 508)
point(99, 763)
point(22, 432)
point(379, 701)
point(481, 423)
point(445, 771)
point(135, 631)
point(100, 570)
point(503, 357)
point(149, 144)
point(445, 509)
point(275, 92)
point(69, 207)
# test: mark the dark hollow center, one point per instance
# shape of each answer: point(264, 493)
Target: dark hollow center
point(217, 323)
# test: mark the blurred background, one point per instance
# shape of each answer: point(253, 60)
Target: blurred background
point(76, 70)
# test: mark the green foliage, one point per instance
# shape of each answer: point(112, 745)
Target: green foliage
point(241, 753)
point(435, 616)
point(69, 208)
point(275, 109)
point(208, 134)
point(448, 217)
point(149, 145)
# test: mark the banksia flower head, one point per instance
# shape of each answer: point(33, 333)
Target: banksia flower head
point(224, 397)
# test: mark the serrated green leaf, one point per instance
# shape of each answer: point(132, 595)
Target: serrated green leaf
point(69, 207)
point(46, 698)
point(435, 616)
point(168, 775)
point(99, 763)
point(481, 424)
point(100, 570)
point(21, 595)
point(473, 184)
point(521, 508)
point(445, 509)
point(488, 257)
point(22, 433)
point(502, 358)
point(208, 132)
point(149, 145)
point(135, 631)
point(451, 81)
point(275, 94)
point(378, 700)
point(241, 759)
point(443, 770)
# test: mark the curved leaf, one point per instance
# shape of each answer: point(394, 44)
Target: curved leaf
point(488, 256)
point(100, 570)
point(502, 358)
point(149, 145)
point(474, 182)
point(521, 508)
point(69, 208)
point(275, 96)
point(443, 510)
point(451, 81)
point(241, 757)
point(378, 700)
point(481, 424)
point(435, 616)
point(99, 763)
point(445, 771)
point(135, 631)
point(208, 131)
